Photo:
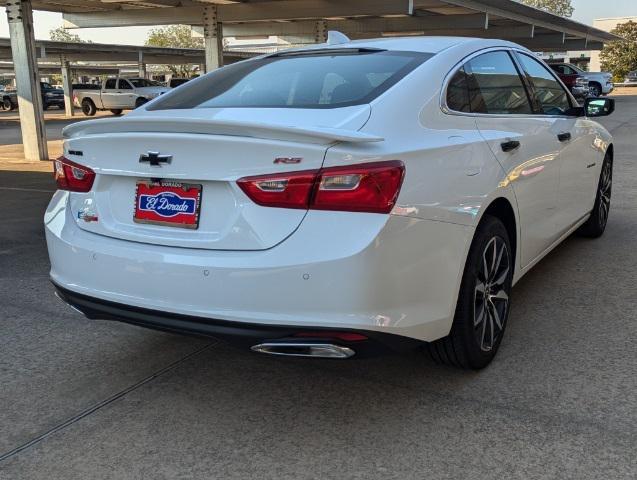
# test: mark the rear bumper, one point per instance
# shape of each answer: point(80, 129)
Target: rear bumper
point(335, 272)
point(238, 333)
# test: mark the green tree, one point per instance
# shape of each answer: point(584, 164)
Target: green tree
point(563, 8)
point(61, 34)
point(620, 57)
point(175, 36)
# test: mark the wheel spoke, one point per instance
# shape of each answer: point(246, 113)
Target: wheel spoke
point(501, 295)
point(479, 318)
point(498, 261)
point(496, 316)
point(484, 331)
point(502, 277)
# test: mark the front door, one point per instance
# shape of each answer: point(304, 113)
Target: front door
point(577, 159)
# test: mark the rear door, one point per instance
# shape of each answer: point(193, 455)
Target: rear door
point(109, 94)
point(126, 93)
point(524, 144)
point(576, 161)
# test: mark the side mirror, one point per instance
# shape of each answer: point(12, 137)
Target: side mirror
point(599, 107)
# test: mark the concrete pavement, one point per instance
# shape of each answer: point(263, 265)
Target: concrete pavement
point(86, 399)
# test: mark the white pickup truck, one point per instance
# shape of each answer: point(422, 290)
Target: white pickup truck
point(118, 94)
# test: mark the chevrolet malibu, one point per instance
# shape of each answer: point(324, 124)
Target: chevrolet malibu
point(332, 201)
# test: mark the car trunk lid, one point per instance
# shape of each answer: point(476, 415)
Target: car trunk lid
point(212, 152)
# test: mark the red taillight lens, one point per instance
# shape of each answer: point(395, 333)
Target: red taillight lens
point(367, 187)
point(72, 176)
point(286, 190)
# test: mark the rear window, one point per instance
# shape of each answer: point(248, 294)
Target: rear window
point(142, 82)
point(318, 79)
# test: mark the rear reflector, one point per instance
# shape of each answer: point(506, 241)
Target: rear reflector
point(344, 336)
point(72, 176)
point(367, 187)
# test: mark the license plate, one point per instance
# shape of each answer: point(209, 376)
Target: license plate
point(168, 203)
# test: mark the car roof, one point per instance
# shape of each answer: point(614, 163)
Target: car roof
point(425, 44)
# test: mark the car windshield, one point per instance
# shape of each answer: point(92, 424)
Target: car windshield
point(142, 82)
point(310, 79)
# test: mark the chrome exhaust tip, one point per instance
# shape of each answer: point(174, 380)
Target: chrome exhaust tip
point(294, 349)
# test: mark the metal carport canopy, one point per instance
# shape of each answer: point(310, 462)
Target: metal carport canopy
point(357, 18)
point(298, 20)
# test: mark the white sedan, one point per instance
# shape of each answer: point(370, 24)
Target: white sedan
point(334, 200)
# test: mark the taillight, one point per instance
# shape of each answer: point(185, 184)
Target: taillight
point(286, 190)
point(367, 187)
point(72, 176)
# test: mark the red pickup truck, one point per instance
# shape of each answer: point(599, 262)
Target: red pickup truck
point(576, 83)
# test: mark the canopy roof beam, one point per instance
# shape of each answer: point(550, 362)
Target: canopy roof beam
point(240, 12)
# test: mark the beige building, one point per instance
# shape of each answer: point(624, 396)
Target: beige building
point(606, 24)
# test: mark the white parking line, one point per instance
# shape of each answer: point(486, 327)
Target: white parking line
point(18, 189)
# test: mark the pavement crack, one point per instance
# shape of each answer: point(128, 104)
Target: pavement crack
point(92, 409)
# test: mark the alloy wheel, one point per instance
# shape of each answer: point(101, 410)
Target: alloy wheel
point(491, 297)
point(594, 91)
point(605, 186)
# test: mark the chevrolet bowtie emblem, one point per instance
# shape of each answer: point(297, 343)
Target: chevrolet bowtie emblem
point(155, 159)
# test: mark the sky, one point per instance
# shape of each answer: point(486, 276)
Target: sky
point(585, 11)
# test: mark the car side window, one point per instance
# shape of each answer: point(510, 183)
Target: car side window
point(124, 85)
point(458, 92)
point(110, 84)
point(495, 86)
point(550, 94)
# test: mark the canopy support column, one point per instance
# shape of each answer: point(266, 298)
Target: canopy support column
point(141, 65)
point(213, 39)
point(67, 85)
point(20, 17)
point(320, 31)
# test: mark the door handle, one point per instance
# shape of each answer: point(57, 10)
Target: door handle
point(564, 137)
point(510, 145)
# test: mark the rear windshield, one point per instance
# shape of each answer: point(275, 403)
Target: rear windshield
point(319, 79)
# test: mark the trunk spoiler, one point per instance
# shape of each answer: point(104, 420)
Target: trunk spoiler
point(216, 127)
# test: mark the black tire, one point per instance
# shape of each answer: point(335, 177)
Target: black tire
point(470, 344)
point(140, 101)
point(594, 89)
point(7, 104)
point(116, 111)
point(88, 107)
point(596, 223)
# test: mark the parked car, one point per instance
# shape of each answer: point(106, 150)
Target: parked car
point(117, 95)
point(175, 82)
point(599, 83)
point(576, 83)
point(631, 77)
point(51, 97)
point(334, 200)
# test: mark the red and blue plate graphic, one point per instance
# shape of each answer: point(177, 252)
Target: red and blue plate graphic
point(170, 204)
